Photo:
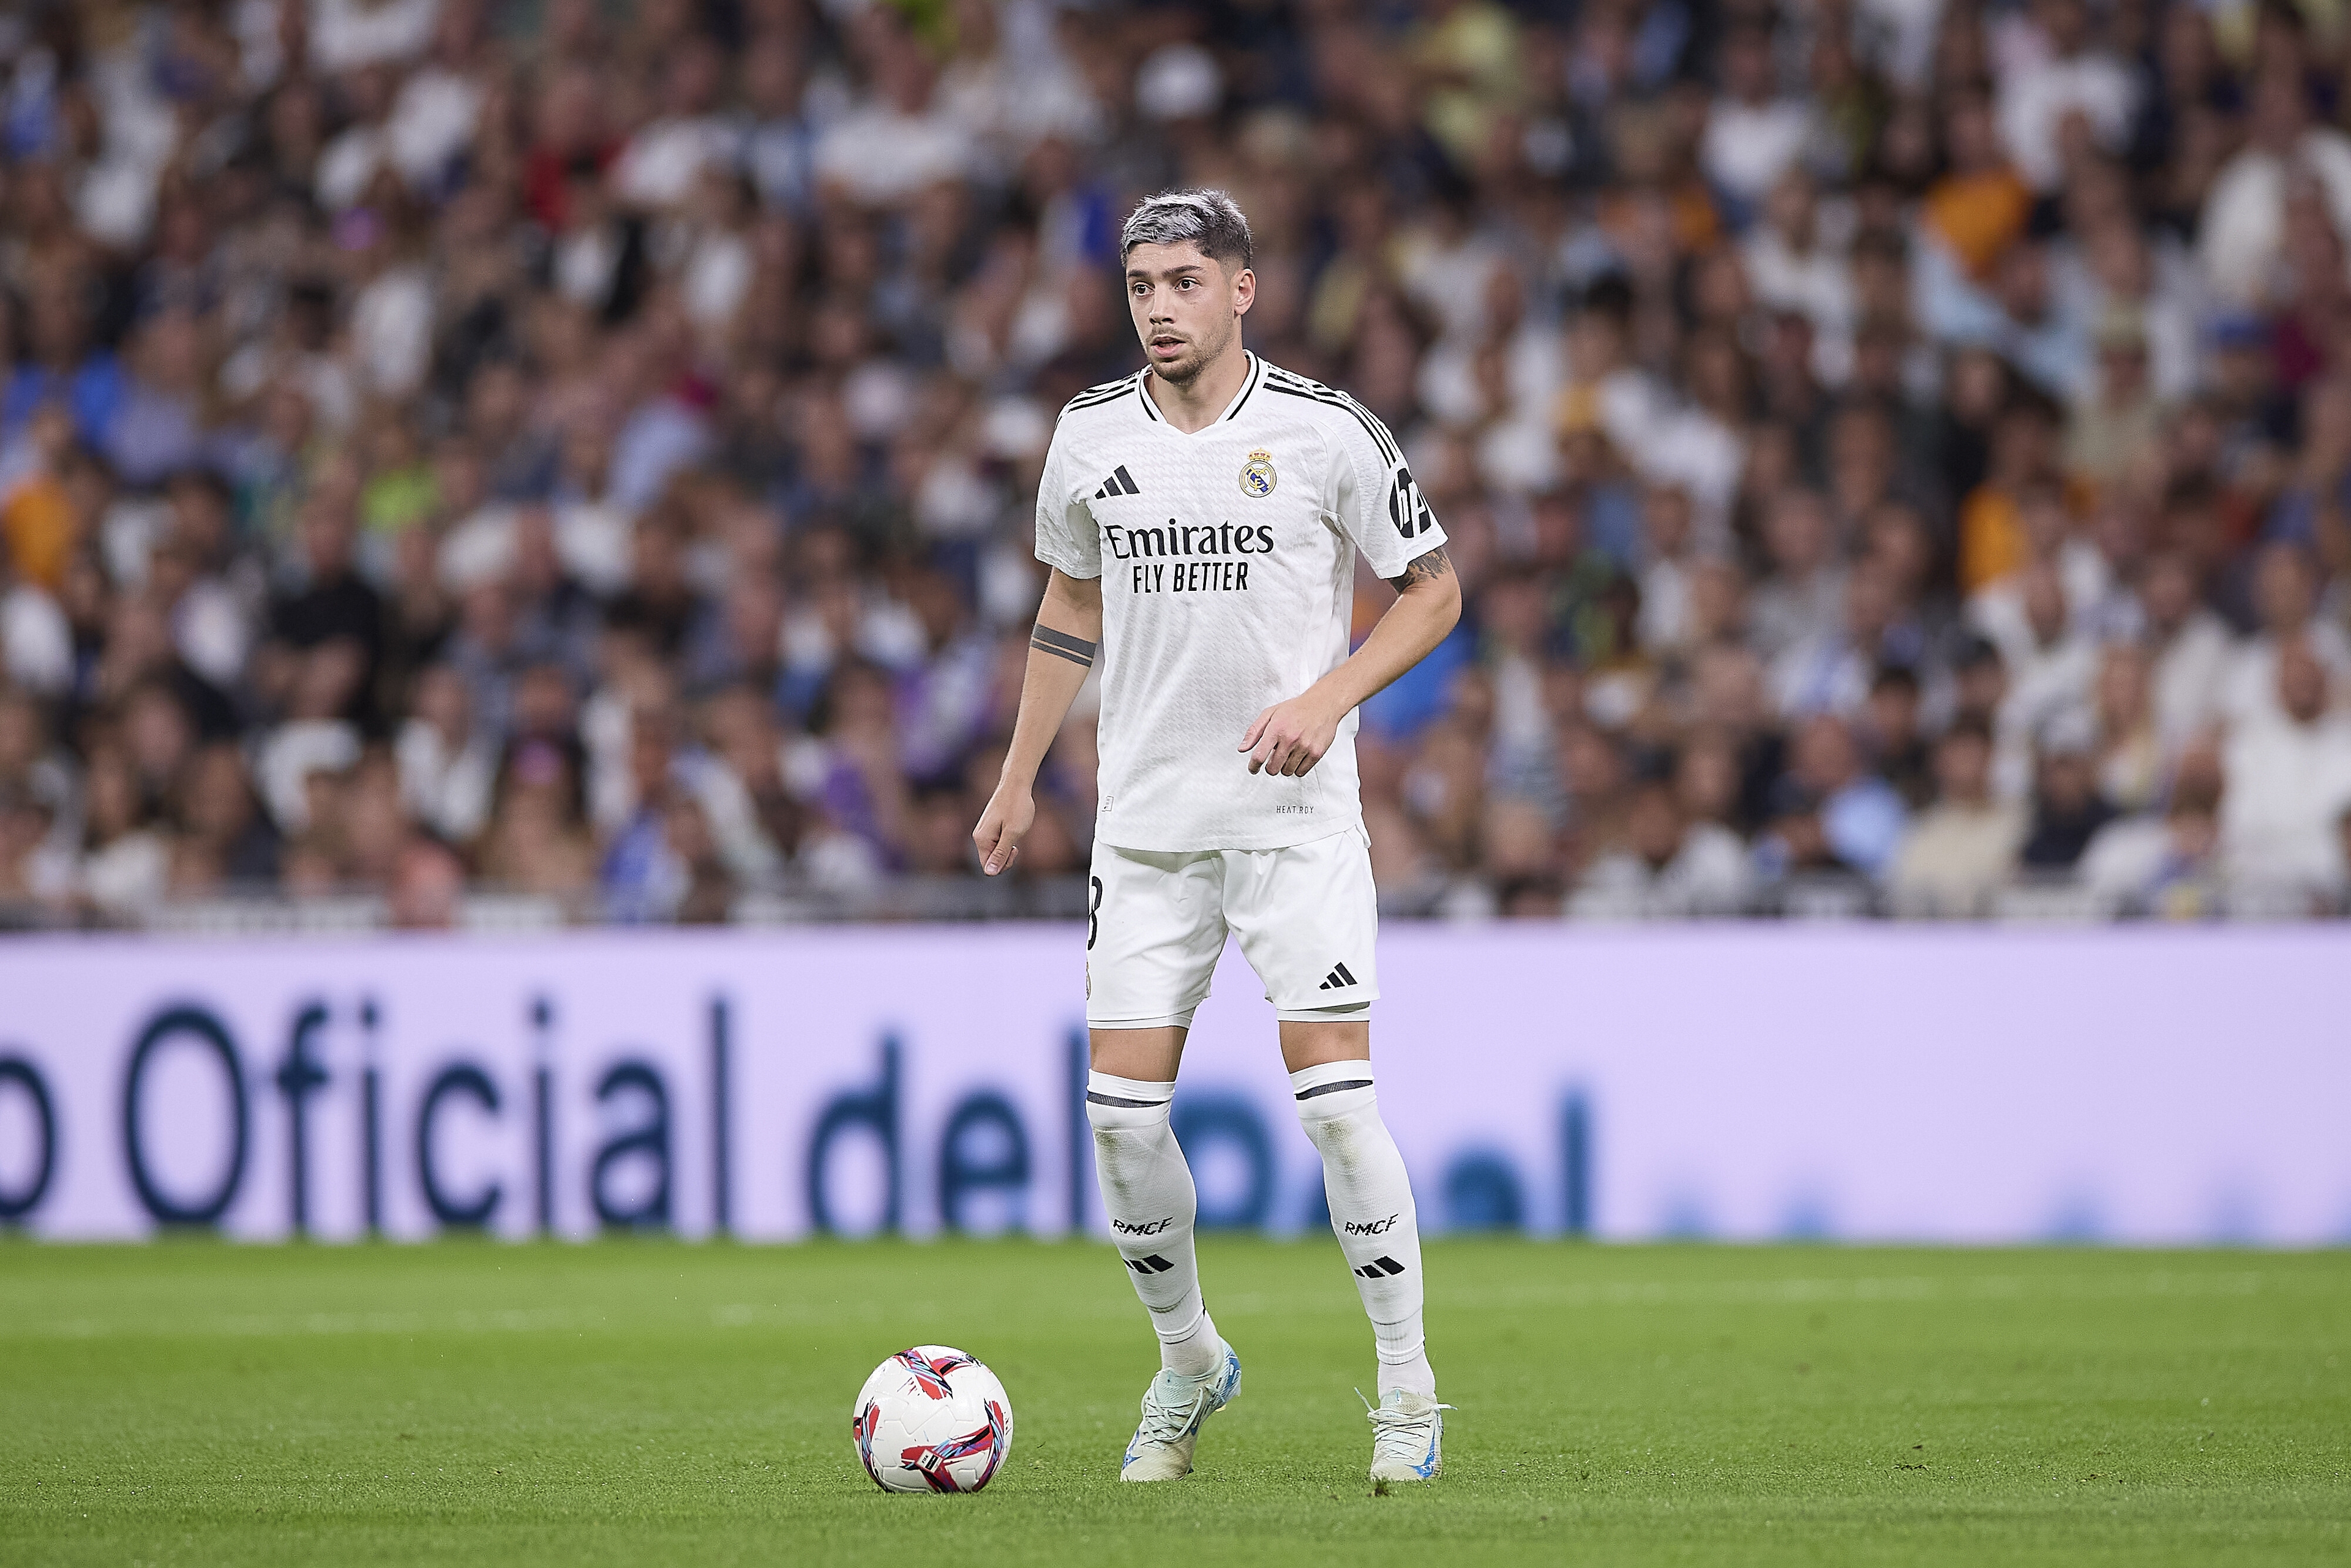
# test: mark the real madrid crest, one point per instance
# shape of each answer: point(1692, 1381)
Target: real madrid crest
point(1258, 477)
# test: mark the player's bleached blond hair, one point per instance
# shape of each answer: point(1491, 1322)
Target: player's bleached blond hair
point(1206, 218)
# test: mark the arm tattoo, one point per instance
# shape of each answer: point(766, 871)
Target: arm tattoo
point(1424, 568)
point(1061, 645)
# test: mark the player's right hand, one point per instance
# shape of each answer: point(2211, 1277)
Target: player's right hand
point(1010, 813)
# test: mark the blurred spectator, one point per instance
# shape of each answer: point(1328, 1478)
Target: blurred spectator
point(2286, 603)
point(2065, 96)
point(2166, 864)
point(2068, 807)
point(126, 863)
point(1754, 133)
point(1979, 205)
point(645, 877)
point(1671, 867)
point(33, 876)
point(1963, 846)
point(708, 893)
point(2191, 647)
point(539, 841)
point(446, 765)
point(2131, 755)
point(225, 839)
point(1861, 817)
point(1894, 733)
point(2290, 780)
point(426, 881)
point(2245, 218)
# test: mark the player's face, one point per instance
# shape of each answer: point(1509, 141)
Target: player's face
point(1187, 307)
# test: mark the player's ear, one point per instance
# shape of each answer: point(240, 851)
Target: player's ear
point(1244, 291)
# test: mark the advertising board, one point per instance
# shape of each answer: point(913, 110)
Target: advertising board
point(1885, 1083)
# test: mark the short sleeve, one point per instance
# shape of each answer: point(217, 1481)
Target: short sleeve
point(1067, 538)
point(1374, 497)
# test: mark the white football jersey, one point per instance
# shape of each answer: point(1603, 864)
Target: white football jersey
point(1228, 565)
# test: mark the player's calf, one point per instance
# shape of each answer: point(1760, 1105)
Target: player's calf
point(1147, 1191)
point(1370, 1212)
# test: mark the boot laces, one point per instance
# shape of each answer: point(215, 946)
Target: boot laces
point(1398, 1435)
point(1164, 1422)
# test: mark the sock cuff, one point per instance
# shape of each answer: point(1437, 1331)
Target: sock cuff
point(1176, 1333)
point(1127, 1093)
point(1310, 1083)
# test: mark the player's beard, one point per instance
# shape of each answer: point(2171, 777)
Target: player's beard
point(1205, 351)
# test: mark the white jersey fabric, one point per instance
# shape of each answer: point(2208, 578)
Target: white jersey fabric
point(1228, 564)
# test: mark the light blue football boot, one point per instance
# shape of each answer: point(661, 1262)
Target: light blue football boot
point(1172, 1409)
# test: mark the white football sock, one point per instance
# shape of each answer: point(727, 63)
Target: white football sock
point(1370, 1212)
point(1147, 1191)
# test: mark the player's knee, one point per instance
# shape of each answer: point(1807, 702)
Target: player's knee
point(1116, 1106)
point(1332, 1093)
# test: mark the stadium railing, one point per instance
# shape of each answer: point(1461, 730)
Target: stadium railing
point(2029, 900)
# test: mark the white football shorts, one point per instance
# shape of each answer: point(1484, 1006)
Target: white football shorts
point(1307, 917)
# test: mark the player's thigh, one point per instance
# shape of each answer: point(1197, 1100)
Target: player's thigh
point(1155, 929)
point(1152, 1054)
point(1308, 918)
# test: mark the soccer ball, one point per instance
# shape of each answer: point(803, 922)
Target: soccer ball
point(931, 1419)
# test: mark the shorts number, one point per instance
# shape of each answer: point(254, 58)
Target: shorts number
point(1093, 914)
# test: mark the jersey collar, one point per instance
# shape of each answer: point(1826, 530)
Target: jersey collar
point(1232, 410)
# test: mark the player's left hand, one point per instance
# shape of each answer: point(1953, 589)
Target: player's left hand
point(1289, 738)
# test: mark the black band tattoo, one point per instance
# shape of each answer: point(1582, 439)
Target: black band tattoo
point(1061, 645)
point(1424, 568)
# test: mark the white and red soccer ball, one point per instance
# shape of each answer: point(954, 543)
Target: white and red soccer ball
point(932, 1419)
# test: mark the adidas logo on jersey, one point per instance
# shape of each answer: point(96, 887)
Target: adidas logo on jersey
point(1339, 979)
point(1119, 484)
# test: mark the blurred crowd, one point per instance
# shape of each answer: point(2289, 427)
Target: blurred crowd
point(1896, 451)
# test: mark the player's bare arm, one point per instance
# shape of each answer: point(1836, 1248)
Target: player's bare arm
point(1062, 651)
point(1290, 737)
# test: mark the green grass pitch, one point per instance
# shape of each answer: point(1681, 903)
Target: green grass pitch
point(649, 1403)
